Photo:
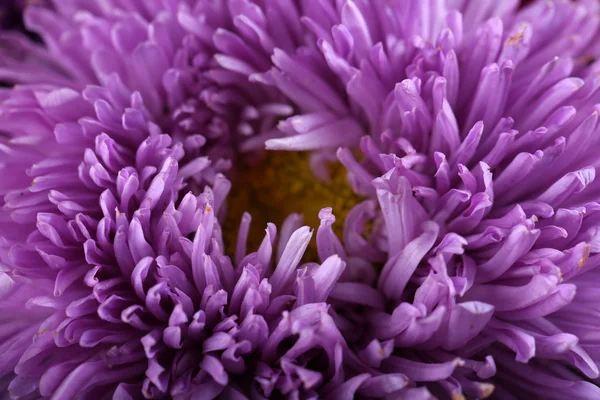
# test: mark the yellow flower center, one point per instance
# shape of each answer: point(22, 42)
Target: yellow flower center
point(281, 183)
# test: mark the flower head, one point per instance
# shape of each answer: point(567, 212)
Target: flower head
point(477, 124)
point(119, 276)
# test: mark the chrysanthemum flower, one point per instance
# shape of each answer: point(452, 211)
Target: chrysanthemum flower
point(114, 280)
point(477, 124)
point(141, 300)
point(481, 121)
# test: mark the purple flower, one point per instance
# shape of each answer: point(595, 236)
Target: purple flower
point(111, 253)
point(478, 124)
point(114, 279)
point(134, 306)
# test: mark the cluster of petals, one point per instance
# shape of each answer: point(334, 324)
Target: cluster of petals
point(468, 271)
point(114, 278)
point(478, 126)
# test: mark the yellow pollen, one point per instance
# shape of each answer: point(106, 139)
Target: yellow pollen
point(281, 183)
point(516, 39)
point(586, 256)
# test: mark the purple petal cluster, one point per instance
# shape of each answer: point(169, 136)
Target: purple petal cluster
point(470, 269)
point(478, 128)
point(121, 274)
